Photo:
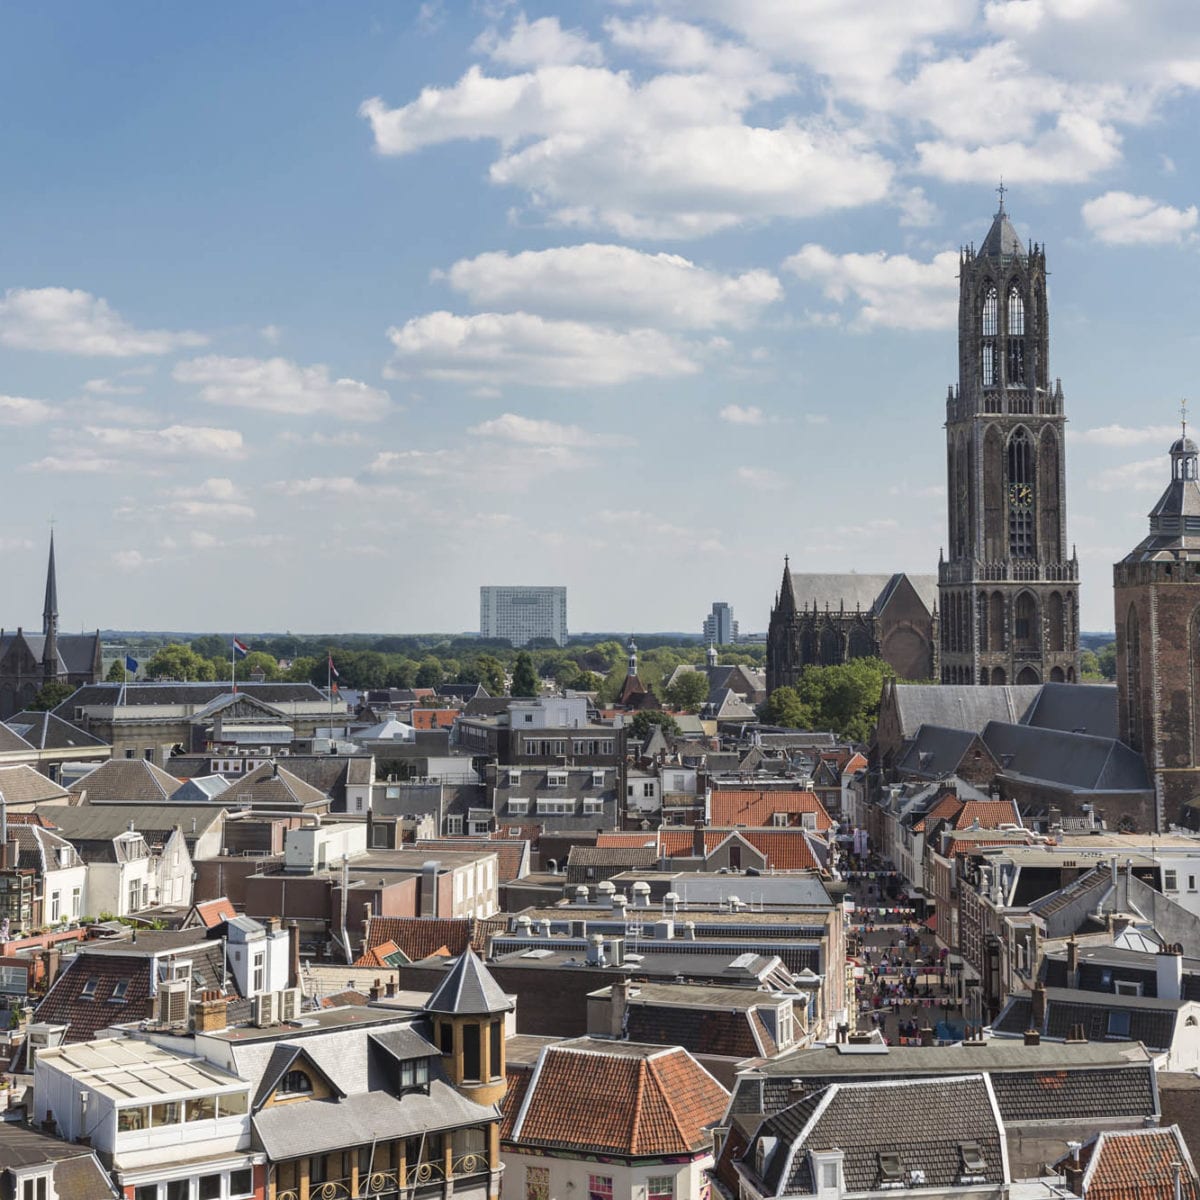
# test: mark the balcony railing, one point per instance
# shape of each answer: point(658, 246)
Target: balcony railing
point(379, 1185)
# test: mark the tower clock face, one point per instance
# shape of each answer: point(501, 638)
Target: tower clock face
point(1020, 495)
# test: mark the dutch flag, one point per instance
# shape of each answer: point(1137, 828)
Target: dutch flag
point(240, 649)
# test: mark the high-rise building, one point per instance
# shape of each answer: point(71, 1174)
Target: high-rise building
point(719, 626)
point(1008, 602)
point(521, 614)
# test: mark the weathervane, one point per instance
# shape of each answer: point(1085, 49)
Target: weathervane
point(1000, 190)
point(1183, 416)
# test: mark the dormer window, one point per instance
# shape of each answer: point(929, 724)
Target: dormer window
point(414, 1073)
point(296, 1083)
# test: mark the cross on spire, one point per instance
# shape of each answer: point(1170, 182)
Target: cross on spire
point(1183, 416)
point(1000, 191)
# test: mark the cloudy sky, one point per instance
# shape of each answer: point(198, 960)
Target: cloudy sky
point(318, 316)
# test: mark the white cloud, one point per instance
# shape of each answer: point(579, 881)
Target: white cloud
point(1120, 219)
point(214, 499)
point(129, 560)
point(20, 410)
point(82, 462)
point(498, 348)
point(1123, 435)
point(649, 529)
point(1146, 475)
point(174, 440)
point(271, 334)
point(109, 387)
point(739, 414)
point(670, 157)
point(761, 479)
point(348, 438)
point(892, 291)
point(528, 431)
point(278, 385)
point(615, 283)
point(543, 42)
point(71, 321)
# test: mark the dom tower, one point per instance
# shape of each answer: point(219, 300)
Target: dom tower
point(1008, 594)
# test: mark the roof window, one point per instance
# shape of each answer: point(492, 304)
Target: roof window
point(890, 1171)
point(88, 991)
point(973, 1161)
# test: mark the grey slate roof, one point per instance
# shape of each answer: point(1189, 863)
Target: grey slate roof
point(851, 590)
point(280, 1062)
point(77, 1172)
point(12, 741)
point(194, 694)
point(1151, 1021)
point(925, 1121)
point(960, 706)
point(124, 781)
point(1002, 241)
point(1084, 707)
point(1027, 1096)
point(320, 1126)
point(467, 989)
point(155, 822)
point(76, 651)
point(936, 751)
point(22, 784)
point(1076, 760)
point(45, 731)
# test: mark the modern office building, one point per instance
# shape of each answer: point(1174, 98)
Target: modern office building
point(719, 626)
point(523, 613)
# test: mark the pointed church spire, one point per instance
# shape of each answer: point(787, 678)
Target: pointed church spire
point(50, 608)
point(787, 595)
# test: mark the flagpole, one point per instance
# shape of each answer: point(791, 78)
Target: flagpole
point(329, 688)
point(233, 664)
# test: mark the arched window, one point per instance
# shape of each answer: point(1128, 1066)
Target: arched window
point(998, 677)
point(1020, 495)
point(982, 620)
point(996, 631)
point(1015, 367)
point(989, 328)
point(1016, 312)
point(1026, 634)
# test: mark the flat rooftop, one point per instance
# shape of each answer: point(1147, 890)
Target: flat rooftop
point(693, 995)
point(322, 1021)
point(126, 1069)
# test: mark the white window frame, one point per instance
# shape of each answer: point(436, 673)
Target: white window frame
point(454, 824)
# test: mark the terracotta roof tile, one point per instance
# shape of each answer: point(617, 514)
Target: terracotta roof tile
point(785, 849)
point(419, 937)
point(743, 806)
point(212, 912)
point(612, 841)
point(990, 814)
point(672, 1101)
point(1136, 1165)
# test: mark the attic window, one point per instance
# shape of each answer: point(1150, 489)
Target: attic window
point(119, 990)
point(972, 1158)
point(296, 1083)
point(1118, 1023)
point(890, 1170)
point(88, 992)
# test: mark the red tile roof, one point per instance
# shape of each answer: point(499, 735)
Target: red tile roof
point(742, 806)
point(1136, 1165)
point(212, 912)
point(669, 1102)
point(786, 849)
point(614, 841)
point(944, 809)
point(990, 814)
point(85, 997)
point(421, 937)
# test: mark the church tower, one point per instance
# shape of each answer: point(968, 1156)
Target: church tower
point(1008, 595)
point(1156, 595)
point(50, 671)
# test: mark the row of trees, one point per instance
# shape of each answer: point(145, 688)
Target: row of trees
point(844, 698)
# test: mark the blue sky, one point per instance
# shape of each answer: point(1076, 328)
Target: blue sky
point(319, 316)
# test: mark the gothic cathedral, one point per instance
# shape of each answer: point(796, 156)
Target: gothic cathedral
point(1008, 594)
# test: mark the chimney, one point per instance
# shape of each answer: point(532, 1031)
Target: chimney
point(698, 840)
point(391, 987)
point(210, 1013)
point(1074, 1170)
point(1072, 961)
point(367, 914)
point(1168, 964)
point(272, 925)
point(376, 990)
point(1037, 1006)
point(429, 888)
point(1033, 1037)
point(293, 954)
point(618, 1003)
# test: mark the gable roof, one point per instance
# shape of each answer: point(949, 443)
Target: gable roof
point(283, 1059)
point(106, 1002)
point(925, 1121)
point(668, 1104)
point(1075, 760)
point(468, 989)
point(125, 781)
point(955, 706)
point(420, 937)
point(852, 591)
point(749, 806)
point(45, 731)
point(24, 785)
point(270, 785)
point(1087, 707)
point(1138, 1164)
